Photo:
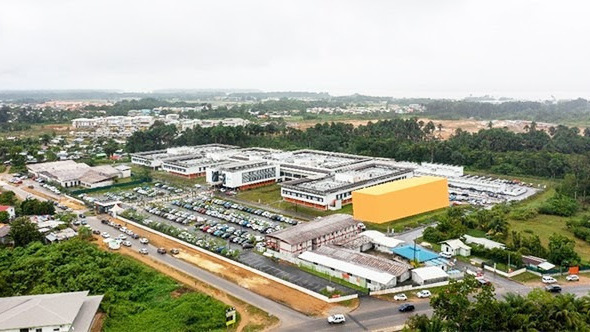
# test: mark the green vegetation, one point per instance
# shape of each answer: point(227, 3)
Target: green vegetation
point(464, 306)
point(526, 277)
point(408, 222)
point(136, 298)
point(271, 196)
point(23, 231)
point(334, 279)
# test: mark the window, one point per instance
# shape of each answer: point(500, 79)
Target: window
point(39, 330)
point(24, 330)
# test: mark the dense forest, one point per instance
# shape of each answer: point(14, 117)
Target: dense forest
point(136, 298)
point(553, 154)
point(571, 111)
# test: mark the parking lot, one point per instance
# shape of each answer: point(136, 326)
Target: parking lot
point(290, 273)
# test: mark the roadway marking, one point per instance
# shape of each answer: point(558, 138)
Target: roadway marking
point(357, 322)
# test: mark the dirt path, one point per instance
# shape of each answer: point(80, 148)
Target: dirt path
point(277, 292)
point(249, 316)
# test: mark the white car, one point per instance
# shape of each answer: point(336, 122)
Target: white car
point(336, 319)
point(445, 255)
point(127, 243)
point(548, 280)
point(105, 235)
point(400, 297)
point(143, 240)
point(572, 277)
point(143, 251)
point(122, 237)
point(424, 293)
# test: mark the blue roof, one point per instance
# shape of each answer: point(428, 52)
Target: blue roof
point(421, 253)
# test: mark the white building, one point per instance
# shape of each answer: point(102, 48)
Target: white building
point(364, 270)
point(243, 174)
point(312, 235)
point(488, 244)
point(333, 191)
point(455, 247)
point(69, 173)
point(60, 312)
point(429, 275)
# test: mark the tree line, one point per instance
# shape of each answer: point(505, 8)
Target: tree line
point(552, 154)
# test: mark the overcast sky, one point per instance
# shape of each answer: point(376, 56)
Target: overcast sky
point(527, 49)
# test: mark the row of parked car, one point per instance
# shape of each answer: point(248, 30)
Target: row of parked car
point(172, 214)
point(230, 233)
point(203, 206)
point(259, 212)
point(168, 187)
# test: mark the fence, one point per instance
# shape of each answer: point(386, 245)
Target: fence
point(555, 271)
point(505, 274)
point(245, 267)
point(116, 185)
point(407, 288)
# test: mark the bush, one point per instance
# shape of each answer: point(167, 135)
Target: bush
point(136, 298)
point(560, 205)
point(523, 214)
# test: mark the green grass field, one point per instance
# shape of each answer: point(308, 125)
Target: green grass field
point(271, 196)
point(526, 277)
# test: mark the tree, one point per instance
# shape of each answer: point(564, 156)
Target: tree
point(8, 198)
point(23, 231)
point(85, 233)
point(4, 217)
point(562, 251)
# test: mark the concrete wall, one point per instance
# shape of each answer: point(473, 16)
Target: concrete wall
point(407, 288)
point(245, 267)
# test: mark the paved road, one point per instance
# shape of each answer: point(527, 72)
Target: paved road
point(287, 315)
point(18, 191)
point(410, 236)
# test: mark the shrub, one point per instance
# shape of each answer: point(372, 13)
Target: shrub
point(560, 205)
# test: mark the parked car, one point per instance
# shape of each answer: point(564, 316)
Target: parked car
point(105, 235)
point(445, 255)
point(400, 297)
point(406, 307)
point(143, 240)
point(161, 251)
point(553, 288)
point(143, 251)
point(336, 319)
point(127, 244)
point(424, 293)
point(572, 277)
point(96, 232)
point(174, 251)
point(548, 280)
point(483, 282)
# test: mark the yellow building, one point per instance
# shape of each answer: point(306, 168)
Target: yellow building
point(400, 199)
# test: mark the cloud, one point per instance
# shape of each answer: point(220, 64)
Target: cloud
point(451, 48)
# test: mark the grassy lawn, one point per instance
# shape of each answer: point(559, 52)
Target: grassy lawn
point(409, 222)
point(476, 232)
point(412, 294)
point(271, 196)
point(526, 277)
point(176, 180)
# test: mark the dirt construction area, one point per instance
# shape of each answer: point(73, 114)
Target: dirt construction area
point(277, 292)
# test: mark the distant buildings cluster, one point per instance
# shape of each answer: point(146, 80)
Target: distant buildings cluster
point(398, 109)
point(125, 126)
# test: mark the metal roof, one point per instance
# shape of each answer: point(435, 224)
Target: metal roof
point(370, 267)
point(304, 232)
point(44, 310)
point(400, 185)
point(430, 272)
